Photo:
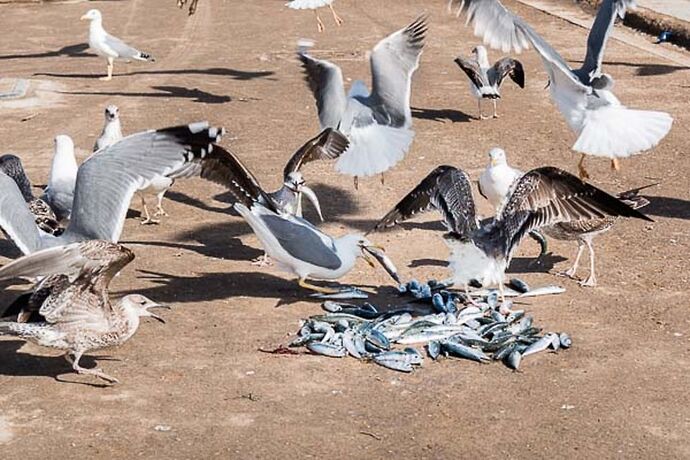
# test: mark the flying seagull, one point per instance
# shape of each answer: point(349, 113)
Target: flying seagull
point(105, 184)
point(73, 301)
point(378, 123)
point(297, 246)
point(45, 218)
point(485, 81)
point(59, 193)
point(542, 197)
point(111, 48)
point(604, 127)
point(314, 5)
point(583, 231)
point(112, 133)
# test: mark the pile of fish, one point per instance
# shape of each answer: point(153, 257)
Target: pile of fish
point(482, 330)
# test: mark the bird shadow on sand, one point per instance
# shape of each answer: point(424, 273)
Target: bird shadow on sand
point(196, 94)
point(77, 50)
point(19, 364)
point(646, 70)
point(183, 198)
point(663, 206)
point(234, 74)
point(441, 115)
point(533, 265)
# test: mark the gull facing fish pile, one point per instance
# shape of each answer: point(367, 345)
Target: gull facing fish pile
point(483, 331)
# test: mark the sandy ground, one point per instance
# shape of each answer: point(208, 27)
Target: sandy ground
point(621, 391)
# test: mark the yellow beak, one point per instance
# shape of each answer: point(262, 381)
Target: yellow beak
point(83, 18)
point(494, 162)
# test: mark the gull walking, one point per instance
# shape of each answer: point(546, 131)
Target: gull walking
point(315, 5)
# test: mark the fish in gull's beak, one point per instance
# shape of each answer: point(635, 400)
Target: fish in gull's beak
point(311, 196)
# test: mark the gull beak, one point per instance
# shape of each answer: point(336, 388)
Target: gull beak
point(84, 18)
point(494, 163)
point(366, 255)
point(153, 315)
point(311, 196)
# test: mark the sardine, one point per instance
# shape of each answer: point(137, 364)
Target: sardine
point(385, 262)
point(377, 338)
point(462, 351)
point(544, 290)
point(395, 361)
point(565, 339)
point(513, 360)
point(326, 349)
point(349, 344)
point(433, 348)
point(538, 346)
point(343, 294)
point(518, 285)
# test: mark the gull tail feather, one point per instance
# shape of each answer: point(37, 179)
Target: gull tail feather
point(374, 149)
point(619, 132)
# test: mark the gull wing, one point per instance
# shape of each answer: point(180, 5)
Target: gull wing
point(327, 145)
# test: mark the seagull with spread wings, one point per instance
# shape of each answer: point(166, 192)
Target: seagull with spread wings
point(105, 184)
point(485, 80)
point(604, 127)
point(378, 123)
point(542, 197)
point(72, 300)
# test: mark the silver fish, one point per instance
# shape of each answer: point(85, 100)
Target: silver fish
point(397, 360)
point(544, 290)
point(343, 294)
point(565, 339)
point(513, 360)
point(462, 351)
point(518, 285)
point(349, 344)
point(433, 348)
point(327, 349)
point(538, 346)
point(385, 262)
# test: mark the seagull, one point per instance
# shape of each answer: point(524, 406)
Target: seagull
point(378, 123)
point(604, 127)
point(59, 193)
point(583, 231)
point(112, 133)
point(108, 46)
point(485, 81)
point(73, 300)
point(314, 5)
point(482, 252)
point(299, 247)
point(45, 218)
point(105, 184)
point(112, 130)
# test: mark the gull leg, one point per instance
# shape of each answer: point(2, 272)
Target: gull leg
point(356, 183)
point(95, 371)
point(68, 358)
point(147, 217)
point(159, 205)
point(591, 280)
point(324, 290)
point(501, 292)
point(495, 113)
point(383, 179)
point(581, 168)
point(110, 70)
point(192, 7)
point(319, 24)
point(180, 3)
point(336, 18)
point(570, 273)
point(262, 261)
point(615, 164)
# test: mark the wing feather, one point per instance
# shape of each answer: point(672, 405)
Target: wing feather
point(327, 145)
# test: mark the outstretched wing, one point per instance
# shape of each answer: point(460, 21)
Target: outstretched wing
point(446, 189)
point(325, 81)
point(507, 66)
point(547, 196)
point(327, 145)
point(16, 219)
point(393, 60)
point(107, 180)
point(599, 35)
point(473, 72)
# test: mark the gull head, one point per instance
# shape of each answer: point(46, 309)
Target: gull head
point(482, 56)
point(294, 181)
point(497, 157)
point(64, 144)
point(112, 113)
point(92, 15)
point(355, 245)
point(140, 305)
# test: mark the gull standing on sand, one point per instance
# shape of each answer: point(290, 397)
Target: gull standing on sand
point(112, 133)
point(59, 193)
point(378, 123)
point(111, 48)
point(542, 197)
point(315, 5)
point(604, 127)
point(105, 184)
point(73, 300)
point(485, 81)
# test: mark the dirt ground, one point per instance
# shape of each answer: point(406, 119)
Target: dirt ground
point(198, 387)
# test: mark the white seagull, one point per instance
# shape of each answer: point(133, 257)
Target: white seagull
point(109, 47)
point(59, 193)
point(378, 123)
point(604, 127)
point(485, 80)
point(314, 5)
point(497, 179)
point(542, 197)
